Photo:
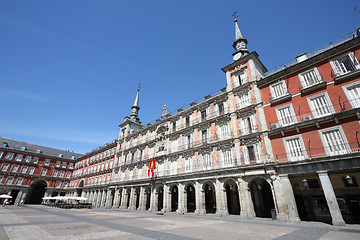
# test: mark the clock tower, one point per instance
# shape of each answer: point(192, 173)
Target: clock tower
point(239, 44)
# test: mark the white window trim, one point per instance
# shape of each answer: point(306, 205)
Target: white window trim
point(334, 67)
point(282, 82)
point(331, 107)
point(302, 81)
point(291, 111)
point(345, 89)
point(342, 134)
point(302, 145)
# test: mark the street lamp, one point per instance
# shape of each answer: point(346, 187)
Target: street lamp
point(349, 180)
point(305, 182)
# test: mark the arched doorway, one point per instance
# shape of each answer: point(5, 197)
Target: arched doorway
point(174, 198)
point(262, 197)
point(210, 198)
point(232, 197)
point(148, 197)
point(36, 192)
point(160, 192)
point(128, 193)
point(190, 198)
point(137, 192)
point(80, 188)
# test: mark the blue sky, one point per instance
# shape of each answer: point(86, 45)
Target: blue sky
point(69, 70)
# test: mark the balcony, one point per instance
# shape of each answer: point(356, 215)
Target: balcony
point(279, 98)
point(317, 115)
point(345, 72)
point(312, 84)
point(311, 153)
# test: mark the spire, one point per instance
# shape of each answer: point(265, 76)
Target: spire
point(135, 108)
point(240, 42)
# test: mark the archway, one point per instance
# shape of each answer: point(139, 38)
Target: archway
point(190, 198)
point(80, 188)
point(137, 193)
point(174, 198)
point(262, 197)
point(148, 198)
point(210, 198)
point(128, 193)
point(160, 192)
point(232, 197)
point(36, 192)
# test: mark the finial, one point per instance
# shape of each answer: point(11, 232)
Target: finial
point(235, 16)
point(164, 109)
point(139, 87)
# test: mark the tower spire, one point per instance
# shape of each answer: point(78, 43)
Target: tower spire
point(135, 108)
point(240, 43)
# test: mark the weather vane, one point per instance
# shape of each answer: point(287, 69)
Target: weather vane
point(139, 87)
point(234, 15)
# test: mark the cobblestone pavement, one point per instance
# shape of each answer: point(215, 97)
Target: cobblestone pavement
point(42, 222)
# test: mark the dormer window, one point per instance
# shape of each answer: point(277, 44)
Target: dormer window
point(5, 145)
point(61, 155)
point(47, 162)
point(38, 151)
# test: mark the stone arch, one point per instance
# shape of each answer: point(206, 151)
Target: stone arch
point(159, 191)
point(147, 192)
point(80, 187)
point(261, 189)
point(232, 196)
point(174, 193)
point(210, 196)
point(190, 196)
point(128, 196)
point(36, 191)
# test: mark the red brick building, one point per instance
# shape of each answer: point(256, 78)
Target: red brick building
point(312, 111)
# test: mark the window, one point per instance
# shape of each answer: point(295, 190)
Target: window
point(187, 120)
point(345, 64)
point(334, 141)
point(63, 165)
point(35, 160)
point(224, 130)
point(221, 108)
point(295, 148)
point(5, 167)
point(251, 153)
point(187, 164)
point(286, 115)
point(24, 169)
point(65, 185)
point(19, 157)
point(47, 162)
point(248, 125)
point(9, 180)
point(352, 92)
point(58, 184)
point(240, 78)
point(58, 163)
point(1, 153)
point(71, 165)
point(31, 170)
point(1, 178)
point(55, 173)
point(320, 105)
point(61, 174)
point(227, 157)
point(207, 160)
point(19, 180)
point(244, 99)
point(310, 78)
point(68, 174)
point(278, 89)
point(203, 115)
point(204, 136)
point(28, 159)
point(14, 168)
point(9, 156)
point(43, 172)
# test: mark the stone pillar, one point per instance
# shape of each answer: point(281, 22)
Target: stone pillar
point(103, 197)
point(246, 203)
point(182, 207)
point(132, 204)
point(289, 198)
point(154, 200)
point(87, 194)
point(221, 202)
point(109, 198)
point(280, 204)
point(18, 197)
point(95, 198)
point(98, 200)
point(199, 199)
point(116, 199)
point(142, 200)
point(91, 196)
point(124, 199)
point(167, 199)
point(330, 196)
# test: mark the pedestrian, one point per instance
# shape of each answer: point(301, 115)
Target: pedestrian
point(5, 202)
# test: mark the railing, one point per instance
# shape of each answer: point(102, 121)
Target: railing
point(334, 150)
point(244, 104)
point(248, 130)
point(344, 69)
point(310, 82)
point(317, 113)
point(286, 92)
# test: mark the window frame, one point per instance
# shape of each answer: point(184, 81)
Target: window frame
point(302, 146)
point(347, 148)
point(329, 105)
point(292, 112)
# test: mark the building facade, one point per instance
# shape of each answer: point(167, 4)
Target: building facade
point(28, 171)
point(282, 144)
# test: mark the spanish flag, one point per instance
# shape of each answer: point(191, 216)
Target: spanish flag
point(151, 168)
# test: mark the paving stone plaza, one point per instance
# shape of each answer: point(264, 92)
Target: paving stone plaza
point(43, 222)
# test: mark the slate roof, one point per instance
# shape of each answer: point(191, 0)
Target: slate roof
point(7, 143)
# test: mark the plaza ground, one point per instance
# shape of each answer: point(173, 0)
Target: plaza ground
point(43, 222)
